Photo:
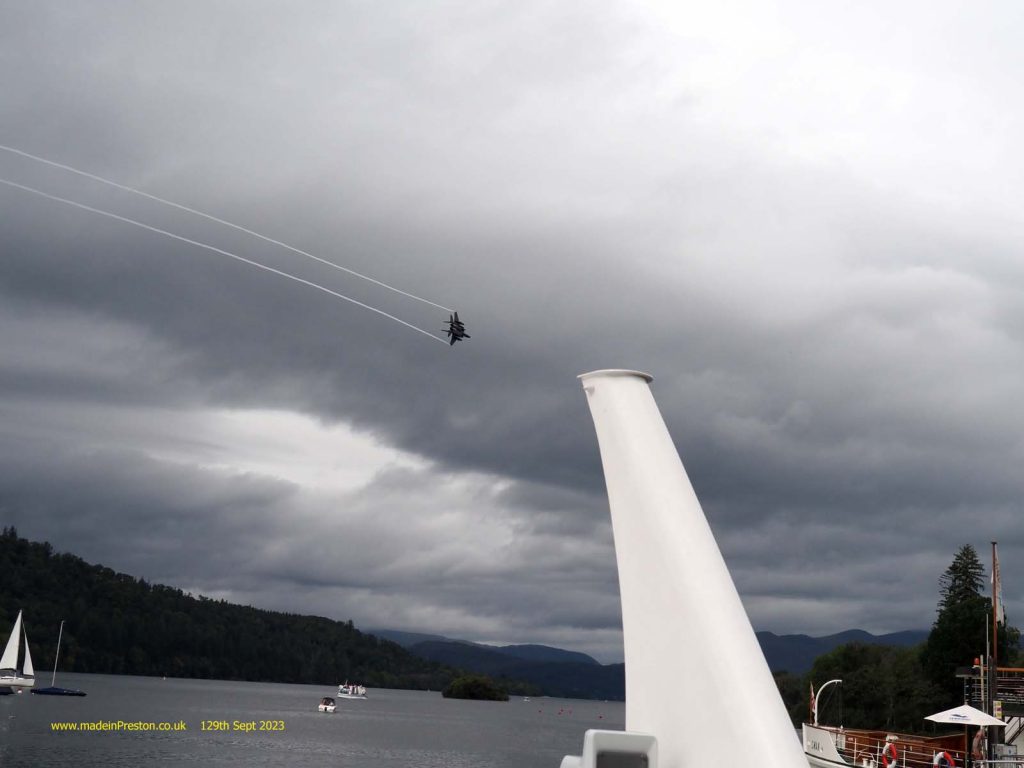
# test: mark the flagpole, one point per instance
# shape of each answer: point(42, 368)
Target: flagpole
point(995, 626)
point(994, 674)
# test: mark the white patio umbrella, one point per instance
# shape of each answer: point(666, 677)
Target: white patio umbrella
point(965, 715)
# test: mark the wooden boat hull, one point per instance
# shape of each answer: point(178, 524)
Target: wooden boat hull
point(828, 747)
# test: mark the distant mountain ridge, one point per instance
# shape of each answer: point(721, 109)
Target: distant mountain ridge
point(569, 679)
point(408, 639)
point(554, 671)
point(796, 653)
point(529, 652)
point(546, 653)
point(568, 673)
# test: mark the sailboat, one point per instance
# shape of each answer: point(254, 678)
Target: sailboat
point(53, 690)
point(16, 669)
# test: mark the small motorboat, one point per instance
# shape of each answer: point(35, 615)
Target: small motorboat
point(326, 704)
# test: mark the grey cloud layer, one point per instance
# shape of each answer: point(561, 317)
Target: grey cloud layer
point(837, 359)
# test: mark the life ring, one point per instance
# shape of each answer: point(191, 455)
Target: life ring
point(943, 760)
point(889, 756)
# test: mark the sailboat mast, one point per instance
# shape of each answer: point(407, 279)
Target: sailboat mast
point(60, 634)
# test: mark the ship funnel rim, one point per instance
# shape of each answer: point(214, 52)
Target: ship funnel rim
point(615, 372)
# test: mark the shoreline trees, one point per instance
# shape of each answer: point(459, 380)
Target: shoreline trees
point(895, 688)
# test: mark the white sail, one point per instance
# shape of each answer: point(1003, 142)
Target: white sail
point(696, 678)
point(27, 671)
point(10, 658)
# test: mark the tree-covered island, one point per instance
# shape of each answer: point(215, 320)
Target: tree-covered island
point(477, 687)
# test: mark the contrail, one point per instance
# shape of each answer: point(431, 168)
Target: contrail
point(221, 251)
point(210, 217)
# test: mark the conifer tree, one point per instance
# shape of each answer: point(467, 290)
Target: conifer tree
point(964, 616)
point(963, 580)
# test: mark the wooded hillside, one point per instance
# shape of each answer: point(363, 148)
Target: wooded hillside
point(118, 624)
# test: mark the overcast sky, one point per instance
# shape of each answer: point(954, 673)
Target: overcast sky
point(802, 218)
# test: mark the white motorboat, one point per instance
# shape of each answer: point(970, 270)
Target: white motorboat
point(353, 691)
point(327, 704)
point(16, 670)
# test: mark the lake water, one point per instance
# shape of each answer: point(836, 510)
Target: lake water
point(387, 730)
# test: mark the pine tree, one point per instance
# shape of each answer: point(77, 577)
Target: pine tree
point(964, 616)
point(963, 580)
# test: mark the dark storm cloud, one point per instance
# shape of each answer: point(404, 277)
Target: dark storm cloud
point(103, 500)
point(837, 365)
point(408, 546)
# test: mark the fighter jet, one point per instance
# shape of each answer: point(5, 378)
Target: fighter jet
point(456, 329)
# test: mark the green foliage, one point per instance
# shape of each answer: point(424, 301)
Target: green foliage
point(478, 687)
point(883, 687)
point(895, 688)
point(963, 580)
point(1009, 646)
point(121, 625)
point(958, 634)
point(956, 639)
point(794, 691)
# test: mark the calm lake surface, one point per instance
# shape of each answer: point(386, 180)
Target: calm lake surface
point(388, 729)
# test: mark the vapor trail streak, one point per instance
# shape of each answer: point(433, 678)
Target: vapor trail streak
point(198, 244)
point(210, 217)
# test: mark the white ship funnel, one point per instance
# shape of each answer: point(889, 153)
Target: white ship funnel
point(696, 678)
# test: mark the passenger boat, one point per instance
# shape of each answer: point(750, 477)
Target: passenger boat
point(837, 747)
point(353, 691)
point(831, 746)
